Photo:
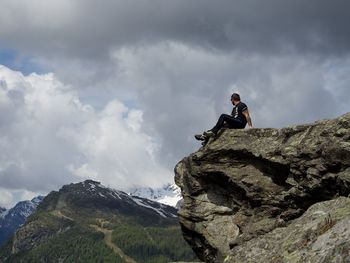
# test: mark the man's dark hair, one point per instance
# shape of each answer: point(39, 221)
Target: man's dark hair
point(235, 96)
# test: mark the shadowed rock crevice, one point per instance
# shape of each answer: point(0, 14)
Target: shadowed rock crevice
point(199, 243)
point(225, 193)
point(246, 184)
point(278, 172)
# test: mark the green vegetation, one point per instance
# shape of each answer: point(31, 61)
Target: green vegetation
point(78, 241)
point(75, 245)
point(152, 244)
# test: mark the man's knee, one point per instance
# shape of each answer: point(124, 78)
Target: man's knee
point(225, 116)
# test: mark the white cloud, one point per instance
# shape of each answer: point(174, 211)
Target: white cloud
point(9, 198)
point(49, 138)
point(182, 90)
point(115, 149)
point(6, 198)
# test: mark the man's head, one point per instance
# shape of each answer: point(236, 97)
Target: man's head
point(235, 98)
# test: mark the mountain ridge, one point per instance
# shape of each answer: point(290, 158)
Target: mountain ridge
point(79, 221)
point(169, 194)
point(11, 219)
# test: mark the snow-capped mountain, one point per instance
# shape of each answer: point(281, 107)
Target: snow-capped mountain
point(74, 214)
point(170, 194)
point(12, 219)
point(94, 193)
point(157, 201)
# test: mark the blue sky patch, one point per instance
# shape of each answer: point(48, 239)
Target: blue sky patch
point(13, 60)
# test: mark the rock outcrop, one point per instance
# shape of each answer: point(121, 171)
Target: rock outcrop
point(260, 195)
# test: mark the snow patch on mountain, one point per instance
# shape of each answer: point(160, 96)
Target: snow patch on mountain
point(170, 194)
point(3, 212)
point(12, 219)
point(95, 188)
point(139, 202)
point(23, 209)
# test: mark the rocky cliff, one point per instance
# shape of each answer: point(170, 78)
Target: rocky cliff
point(260, 195)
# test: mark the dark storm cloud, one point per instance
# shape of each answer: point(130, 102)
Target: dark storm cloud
point(91, 28)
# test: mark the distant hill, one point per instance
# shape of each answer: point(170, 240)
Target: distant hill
point(87, 222)
point(12, 219)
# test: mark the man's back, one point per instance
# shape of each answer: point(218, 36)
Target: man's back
point(237, 112)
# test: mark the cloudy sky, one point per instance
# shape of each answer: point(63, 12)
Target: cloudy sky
point(114, 90)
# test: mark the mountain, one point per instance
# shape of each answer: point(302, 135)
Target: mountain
point(269, 195)
point(12, 219)
point(88, 222)
point(2, 211)
point(170, 194)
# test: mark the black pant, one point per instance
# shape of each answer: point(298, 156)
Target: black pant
point(226, 120)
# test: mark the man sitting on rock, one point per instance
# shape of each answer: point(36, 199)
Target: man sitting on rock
point(237, 120)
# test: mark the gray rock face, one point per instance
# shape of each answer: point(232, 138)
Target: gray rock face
point(320, 235)
point(247, 191)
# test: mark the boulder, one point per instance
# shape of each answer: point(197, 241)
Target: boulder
point(249, 190)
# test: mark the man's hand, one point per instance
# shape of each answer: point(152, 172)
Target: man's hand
point(249, 120)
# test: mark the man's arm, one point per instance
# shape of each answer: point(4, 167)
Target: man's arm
point(247, 116)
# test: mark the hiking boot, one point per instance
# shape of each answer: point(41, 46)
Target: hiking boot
point(208, 134)
point(200, 137)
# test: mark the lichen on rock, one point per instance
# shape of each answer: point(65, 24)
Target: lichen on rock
point(247, 191)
